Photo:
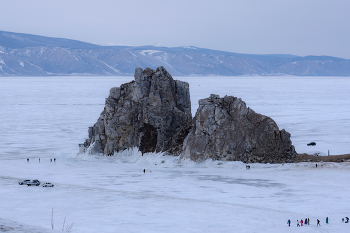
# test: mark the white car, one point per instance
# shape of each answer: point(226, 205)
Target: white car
point(23, 182)
point(48, 185)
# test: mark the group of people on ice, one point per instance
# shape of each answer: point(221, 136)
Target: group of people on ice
point(307, 221)
point(39, 160)
point(346, 220)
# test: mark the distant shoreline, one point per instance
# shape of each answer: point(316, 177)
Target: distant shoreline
point(314, 158)
point(41, 54)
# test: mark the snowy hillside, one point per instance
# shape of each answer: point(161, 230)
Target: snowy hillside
point(30, 55)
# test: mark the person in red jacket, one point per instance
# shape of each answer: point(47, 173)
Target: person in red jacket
point(301, 222)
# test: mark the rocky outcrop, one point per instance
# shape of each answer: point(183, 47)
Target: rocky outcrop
point(153, 113)
point(225, 129)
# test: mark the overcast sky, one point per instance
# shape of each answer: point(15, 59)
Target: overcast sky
point(299, 27)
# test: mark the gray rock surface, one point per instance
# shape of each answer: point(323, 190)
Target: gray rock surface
point(225, 129)
point(153, 113)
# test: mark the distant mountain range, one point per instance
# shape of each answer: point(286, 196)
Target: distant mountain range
point(31, 55)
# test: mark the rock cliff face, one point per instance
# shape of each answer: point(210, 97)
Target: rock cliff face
point(152, 113)
point(225, 129)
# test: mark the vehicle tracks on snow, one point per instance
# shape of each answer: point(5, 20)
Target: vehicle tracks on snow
point(151, 195)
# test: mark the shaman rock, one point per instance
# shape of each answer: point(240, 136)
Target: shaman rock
point(225, 129)
point(153, 113)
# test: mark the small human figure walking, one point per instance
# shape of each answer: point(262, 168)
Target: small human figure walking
point(144, 171)
point(316, 165)
point(318, 223)
point(298, 223)
point(342, 220)
point(27, 160)
point(50, 160)
point(288, 222)
point(308, 221)
point(301, 222)
point(305, 221)
point(39, 160)
point(327, 220)
point(54, 159)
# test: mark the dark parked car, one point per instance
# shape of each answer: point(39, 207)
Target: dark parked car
point(312, 144)
point(34, 182)
point(23, 182)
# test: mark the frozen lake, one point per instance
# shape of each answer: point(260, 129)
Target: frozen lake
point(48, 117)
point(43, 116)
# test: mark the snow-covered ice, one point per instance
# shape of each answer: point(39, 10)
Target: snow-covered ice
point(47, 118)
point(112, 194)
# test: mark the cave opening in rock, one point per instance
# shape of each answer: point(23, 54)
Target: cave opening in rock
point(149, 138)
